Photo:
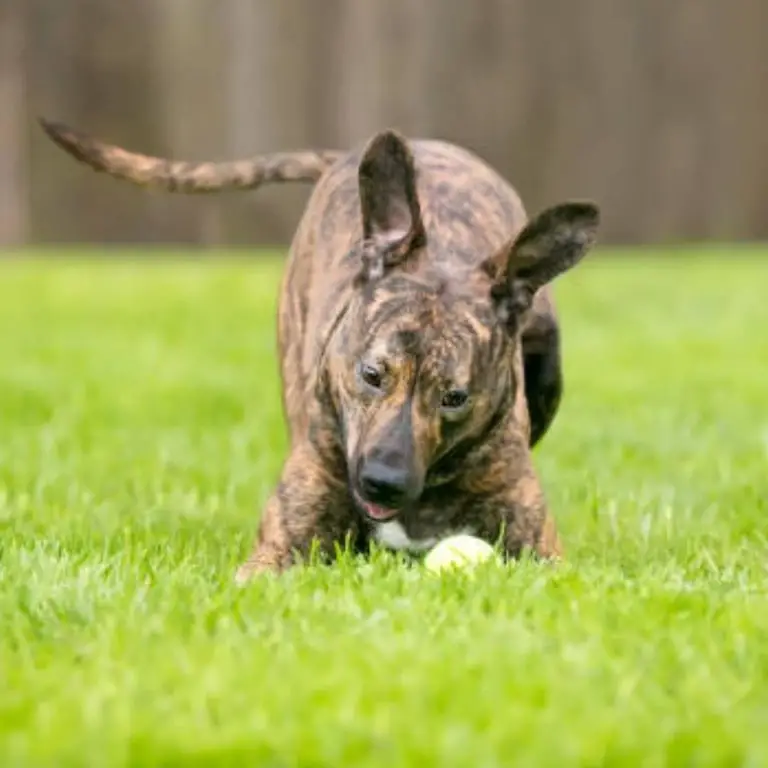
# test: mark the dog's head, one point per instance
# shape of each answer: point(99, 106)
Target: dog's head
point(428, 364)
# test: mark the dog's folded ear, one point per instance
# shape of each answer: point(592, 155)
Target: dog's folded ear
point(391, 214)
point(551, 243)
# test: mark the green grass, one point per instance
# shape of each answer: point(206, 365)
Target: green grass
point(140, 430)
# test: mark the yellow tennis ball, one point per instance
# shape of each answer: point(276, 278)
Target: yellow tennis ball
point(460, 551)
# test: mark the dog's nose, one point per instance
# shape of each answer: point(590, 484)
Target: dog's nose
point(383, 485)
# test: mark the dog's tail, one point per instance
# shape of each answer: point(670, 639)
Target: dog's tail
point(190, 177)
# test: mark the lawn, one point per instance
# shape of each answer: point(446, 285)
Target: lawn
point(140, 431)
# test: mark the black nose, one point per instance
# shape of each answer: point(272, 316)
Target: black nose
point(383, 485)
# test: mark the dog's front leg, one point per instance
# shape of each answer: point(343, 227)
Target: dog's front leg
point(309, 506)
point(520, 512)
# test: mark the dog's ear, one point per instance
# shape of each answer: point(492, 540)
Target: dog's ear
point(551, 243)
point(391, 215)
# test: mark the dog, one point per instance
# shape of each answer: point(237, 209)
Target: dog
point(419, 343)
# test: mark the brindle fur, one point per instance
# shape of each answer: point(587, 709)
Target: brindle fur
point(414, 274)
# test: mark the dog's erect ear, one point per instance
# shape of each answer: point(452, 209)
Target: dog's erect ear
point(391, 215)
point(551, 243)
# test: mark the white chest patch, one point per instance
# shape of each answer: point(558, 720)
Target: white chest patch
point(392, 535)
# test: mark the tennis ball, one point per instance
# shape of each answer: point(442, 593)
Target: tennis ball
point(460, 551)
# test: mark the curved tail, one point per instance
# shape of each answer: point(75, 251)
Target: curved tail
point(190, 177)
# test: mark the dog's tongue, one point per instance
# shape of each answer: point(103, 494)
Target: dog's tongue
point(379, 513)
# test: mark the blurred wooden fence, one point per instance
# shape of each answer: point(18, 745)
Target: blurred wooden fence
point(656, 108)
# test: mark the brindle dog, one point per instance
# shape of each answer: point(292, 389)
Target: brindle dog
point(419, 343)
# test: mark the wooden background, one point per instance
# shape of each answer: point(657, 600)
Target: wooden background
point(656, 108)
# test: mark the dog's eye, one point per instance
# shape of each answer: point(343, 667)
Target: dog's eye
point(371, 376)
point(455, 399)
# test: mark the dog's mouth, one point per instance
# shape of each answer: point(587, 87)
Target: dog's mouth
point(373, 511)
